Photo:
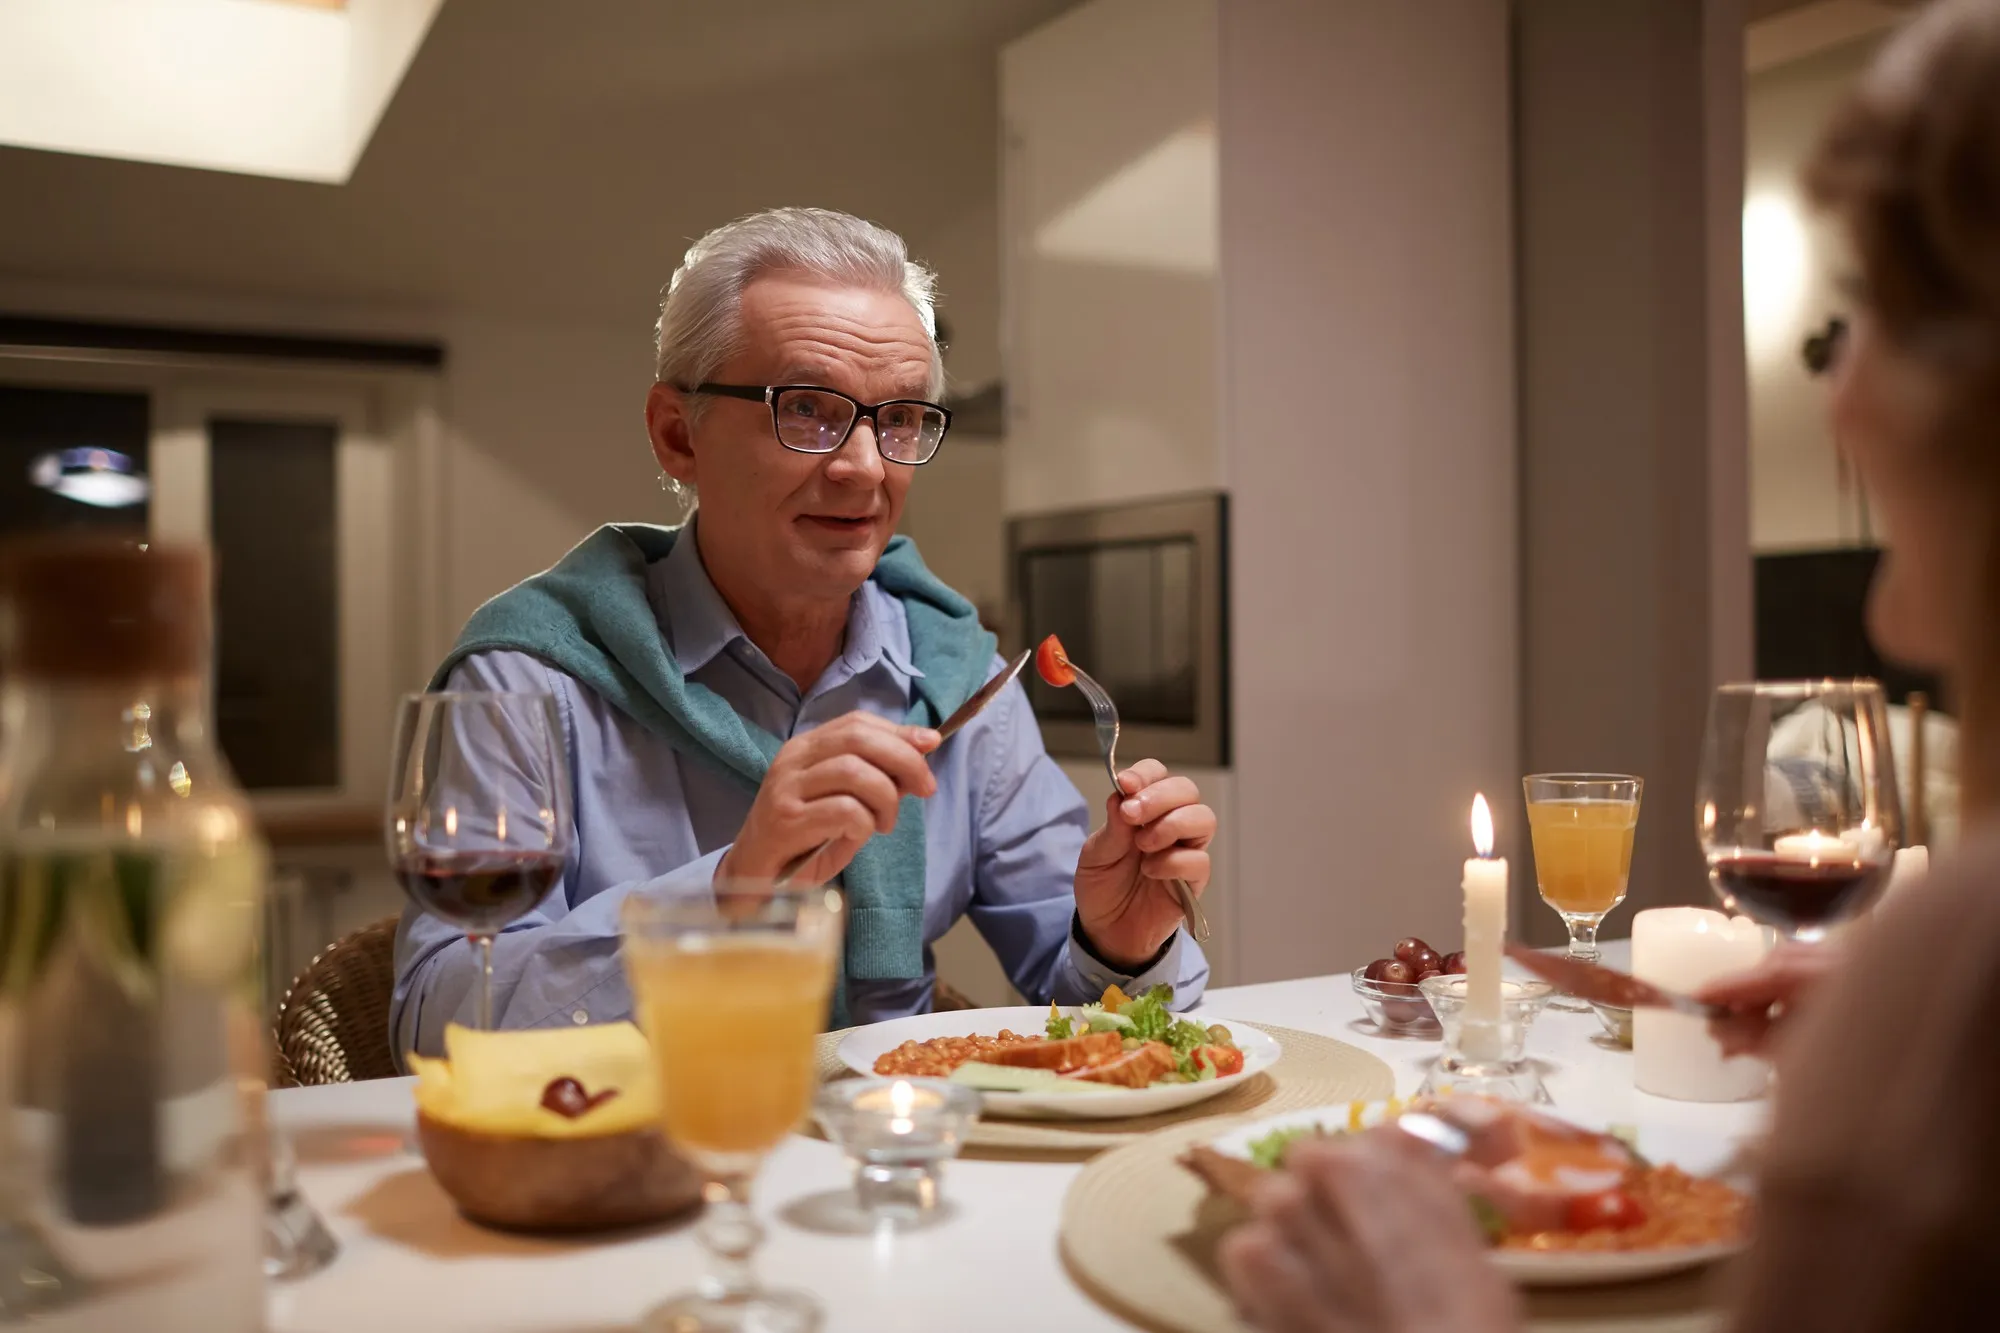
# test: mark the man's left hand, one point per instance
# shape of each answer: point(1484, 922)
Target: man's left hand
point(1157, 830)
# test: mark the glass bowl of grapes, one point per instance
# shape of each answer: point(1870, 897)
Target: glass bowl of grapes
point(1389, 988)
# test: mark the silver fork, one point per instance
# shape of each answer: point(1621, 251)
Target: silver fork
point(1105, 714)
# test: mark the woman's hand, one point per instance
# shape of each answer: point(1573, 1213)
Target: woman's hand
point(1365, 1235)
point(1761, 999)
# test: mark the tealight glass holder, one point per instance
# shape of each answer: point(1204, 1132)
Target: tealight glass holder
point(1487, 1059)
point(897, 1135)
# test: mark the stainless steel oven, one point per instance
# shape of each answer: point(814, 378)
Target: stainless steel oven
point(1138, 595)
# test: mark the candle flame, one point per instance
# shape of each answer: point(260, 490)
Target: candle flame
point(1482, 827)
point(902, 1097)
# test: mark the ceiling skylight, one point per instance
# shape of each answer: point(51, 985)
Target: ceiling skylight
point(289, 88)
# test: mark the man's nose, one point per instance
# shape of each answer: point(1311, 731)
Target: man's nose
point(858, 462)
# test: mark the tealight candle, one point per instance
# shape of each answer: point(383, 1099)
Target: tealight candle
point(1673, 1055)
point(1485, 888)
point(896, 1136)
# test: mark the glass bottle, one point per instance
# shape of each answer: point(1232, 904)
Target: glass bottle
point(132, 1054)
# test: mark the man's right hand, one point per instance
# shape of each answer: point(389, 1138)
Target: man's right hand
point(1761, 999)
point(841, 781)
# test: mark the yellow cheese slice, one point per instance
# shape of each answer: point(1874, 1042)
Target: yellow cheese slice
point(494, 1081)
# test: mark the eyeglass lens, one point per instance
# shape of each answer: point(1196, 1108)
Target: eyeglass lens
point(815, 422)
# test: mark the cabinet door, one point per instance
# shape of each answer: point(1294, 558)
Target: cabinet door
point(1109, 184)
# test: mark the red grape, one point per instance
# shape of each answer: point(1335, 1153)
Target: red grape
point(1397, 974)
point(1373, 972)
point(1454, 964)
point(1408, 950)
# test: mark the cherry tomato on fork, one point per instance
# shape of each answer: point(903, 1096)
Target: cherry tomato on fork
point(1611, 1210)
point(1053, 663)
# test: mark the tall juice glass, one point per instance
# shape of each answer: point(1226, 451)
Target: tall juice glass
point(1582, 826)
point(732, 994)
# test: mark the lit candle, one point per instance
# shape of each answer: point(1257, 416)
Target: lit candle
point(1814, 846)
point(1682, 949)
point(1485, 886)
point(902, 1100)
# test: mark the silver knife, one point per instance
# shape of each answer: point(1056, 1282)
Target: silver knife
point(946, 729)
point(1606, 985)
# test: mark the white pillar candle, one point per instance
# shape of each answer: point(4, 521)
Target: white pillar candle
point(1485, 887)
point(1911, 864)
point(1673, 1055)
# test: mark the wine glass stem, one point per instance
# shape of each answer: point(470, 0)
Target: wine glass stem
point(1583, 937)
point(484, 945)
point(731, 1235)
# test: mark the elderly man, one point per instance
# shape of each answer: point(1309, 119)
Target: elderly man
point(797, 371)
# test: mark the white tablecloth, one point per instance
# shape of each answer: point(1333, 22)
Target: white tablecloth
point(408, 1261)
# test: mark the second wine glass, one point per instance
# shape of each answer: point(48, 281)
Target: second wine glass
point(1796, 806)
point(1582, 825)
point(478, 817)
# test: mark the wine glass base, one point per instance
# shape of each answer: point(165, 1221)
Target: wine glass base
point(1569, 1003)
point(761, 1311)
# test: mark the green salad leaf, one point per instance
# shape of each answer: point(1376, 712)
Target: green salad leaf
point(1268, 1151)
point(1059, 1027)
point(1492, 1222)
point(1150, 1017)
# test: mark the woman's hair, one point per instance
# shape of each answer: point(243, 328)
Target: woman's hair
point(1910, 164)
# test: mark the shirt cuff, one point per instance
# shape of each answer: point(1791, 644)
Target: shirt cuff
point(1159, 970)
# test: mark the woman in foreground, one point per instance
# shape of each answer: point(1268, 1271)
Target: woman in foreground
point(1879, 1203)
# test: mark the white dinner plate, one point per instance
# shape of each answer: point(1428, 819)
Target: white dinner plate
point(1695, 1153)
point(862, 1046)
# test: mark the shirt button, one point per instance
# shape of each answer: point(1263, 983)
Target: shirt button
point(580, 1017)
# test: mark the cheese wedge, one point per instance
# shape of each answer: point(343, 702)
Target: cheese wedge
point(493, 1082)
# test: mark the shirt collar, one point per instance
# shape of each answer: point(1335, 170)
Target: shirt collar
point(699, 625)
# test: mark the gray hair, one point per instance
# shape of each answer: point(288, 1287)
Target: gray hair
point(699, 328)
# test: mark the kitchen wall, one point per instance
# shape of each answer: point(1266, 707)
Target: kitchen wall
point(1634, 558)
point(1367, 390)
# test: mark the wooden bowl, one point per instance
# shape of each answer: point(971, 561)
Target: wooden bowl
point(520, 1183)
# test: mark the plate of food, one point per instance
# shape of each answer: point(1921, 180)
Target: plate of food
point(1562, 1202)
point(1122, 1056)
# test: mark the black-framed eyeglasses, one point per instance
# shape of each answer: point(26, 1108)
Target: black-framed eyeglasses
point(809, 419)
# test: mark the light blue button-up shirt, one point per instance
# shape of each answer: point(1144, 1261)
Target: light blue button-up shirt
point(1001, 834)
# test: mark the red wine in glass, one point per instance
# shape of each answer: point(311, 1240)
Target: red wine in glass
point(1800, 897)
point(480, 892)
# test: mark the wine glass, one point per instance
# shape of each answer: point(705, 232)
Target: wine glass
point(732, 992)
point(1582, 825)
point(1796, 805)
point(479, 812)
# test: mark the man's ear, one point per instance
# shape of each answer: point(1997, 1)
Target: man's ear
point(671, 433)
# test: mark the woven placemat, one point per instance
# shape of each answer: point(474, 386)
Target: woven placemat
point(1139, 1233)
point(1312, 1071)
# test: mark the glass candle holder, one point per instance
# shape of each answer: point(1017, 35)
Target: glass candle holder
point(1511, 1076)
point(897, 1135)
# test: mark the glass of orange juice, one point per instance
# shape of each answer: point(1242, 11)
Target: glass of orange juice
point(732, 992)
point(1581, 825)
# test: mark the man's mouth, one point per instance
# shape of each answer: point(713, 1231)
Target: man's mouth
point(841, 523)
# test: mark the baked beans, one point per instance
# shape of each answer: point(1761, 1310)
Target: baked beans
point(940, 1055)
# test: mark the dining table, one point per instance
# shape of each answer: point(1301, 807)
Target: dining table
point(991, 1259)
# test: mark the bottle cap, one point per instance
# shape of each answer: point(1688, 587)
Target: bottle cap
point(103, 606)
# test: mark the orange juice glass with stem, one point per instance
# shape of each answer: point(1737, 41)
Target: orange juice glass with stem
point(1581, 825)
point(732, 993)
